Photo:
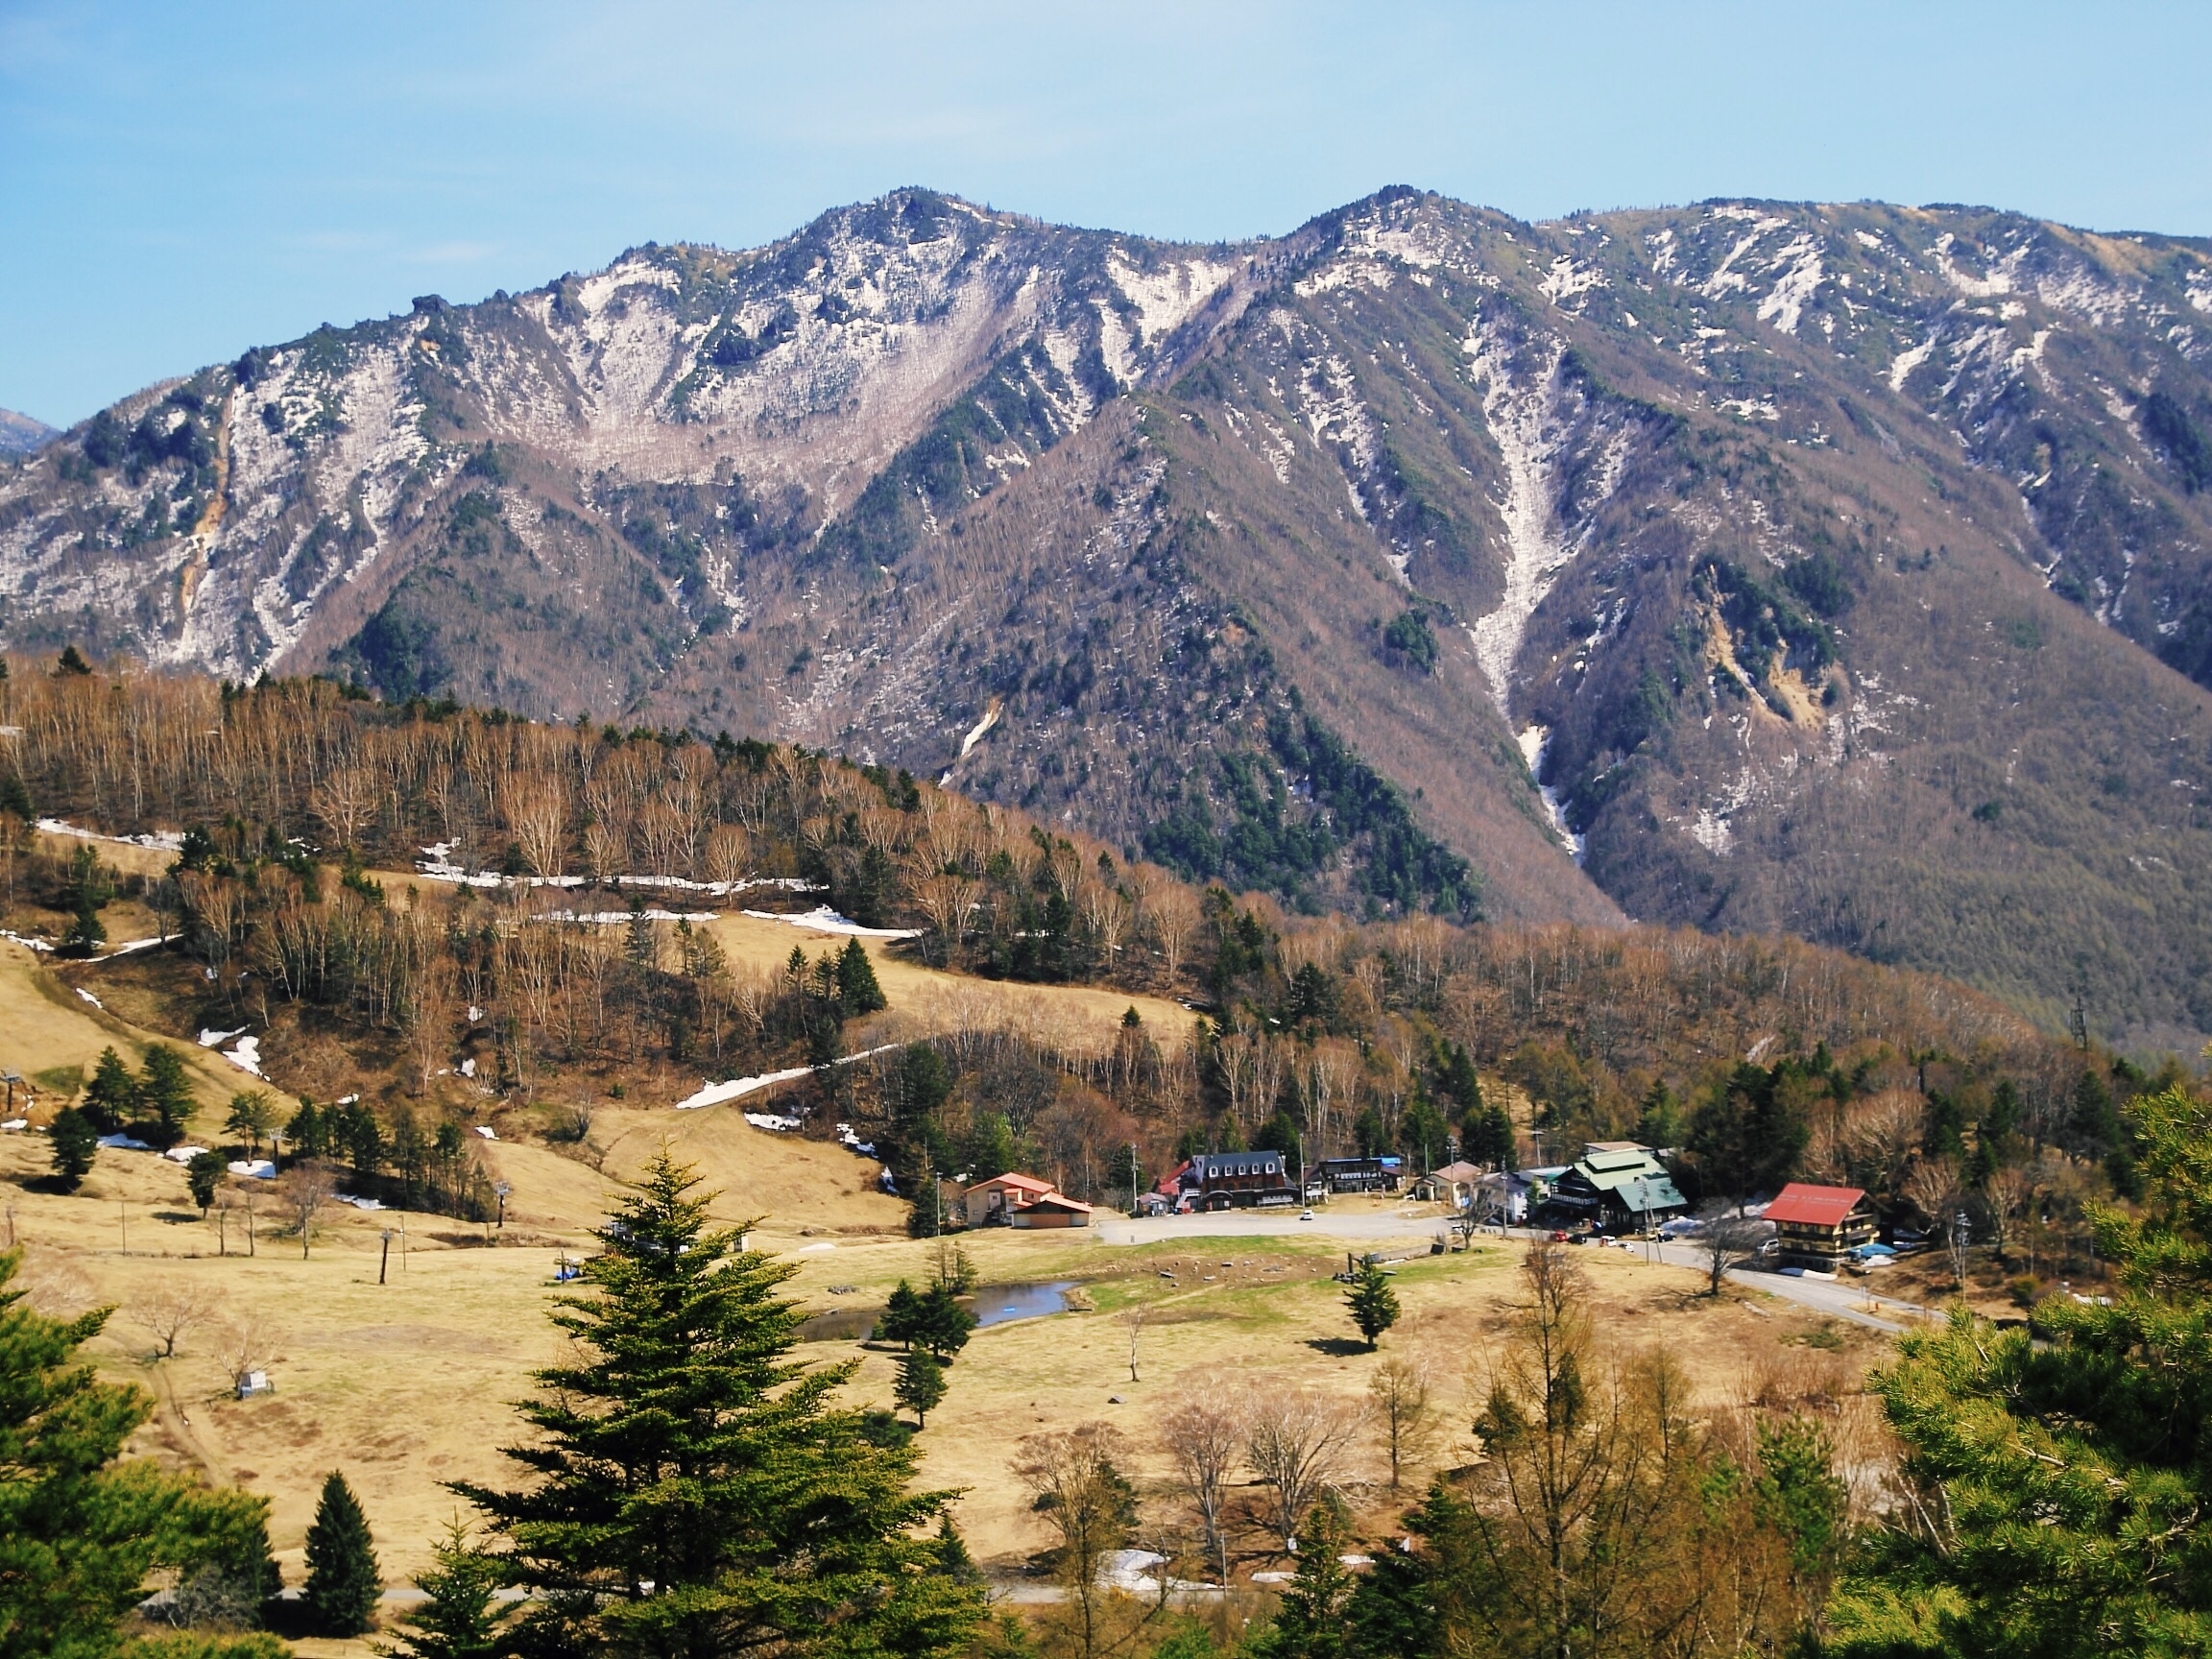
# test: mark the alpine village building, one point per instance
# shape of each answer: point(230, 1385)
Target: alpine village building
point(1231, 1181)
point(1613, 1185)
point(1818, 1227)
point(1013, 1200)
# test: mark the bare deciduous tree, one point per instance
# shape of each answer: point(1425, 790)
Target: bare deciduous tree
point(301, 1191)
point(1133, 1319)
point(1075, 1478)
point(1400, 1395)
point(346, 800)
point(1296, 1442)
point(1203, 1429)
point(538, 811)
point(944, 899)
point(243, 1346)
point(1594, 1501)
point(2005, 1198)
point(171, 1311)
point(728, 855)
point(1725, 1239)
point(1172, 914)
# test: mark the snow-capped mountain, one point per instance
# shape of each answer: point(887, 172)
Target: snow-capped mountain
point(1840, 570)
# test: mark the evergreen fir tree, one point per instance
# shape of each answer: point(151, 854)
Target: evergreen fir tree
point(461, 1617)
point(1373, 1304)
point(693, 1489)
point(76, 1141)
point(990, 1148)
point(920, 1386)
point(165, 1090)
point(87, 933)
point(1457, 1083)
point(1423, 1130)
point(343, 1582)
point(203, 1176)
point(1312, 1623)
point(952, 1558)
point(1659, 1123)
point(111, 1098)
point(901, 1319)
point(81, 1532)
point(1279, 1134)
point(2067, 1463)
point(1489, 1141)
point(940, 1325)
point(856, 986)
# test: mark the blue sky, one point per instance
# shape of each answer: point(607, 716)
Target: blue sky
point(178, 182)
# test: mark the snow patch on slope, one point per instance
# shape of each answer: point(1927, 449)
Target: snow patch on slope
point(1905, 362)
point(1534, 740)
point(1568, 279)
point(1527, 440)
point(1784, 303)
point(1168, 298)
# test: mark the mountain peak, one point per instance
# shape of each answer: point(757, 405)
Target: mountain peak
point(1843, 570)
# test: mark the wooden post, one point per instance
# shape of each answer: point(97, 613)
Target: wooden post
point(384, 1259)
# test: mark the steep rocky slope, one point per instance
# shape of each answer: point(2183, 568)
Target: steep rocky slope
point(1833, 569)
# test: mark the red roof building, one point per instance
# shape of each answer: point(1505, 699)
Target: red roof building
point(1818, 1226)
point(992, 1201)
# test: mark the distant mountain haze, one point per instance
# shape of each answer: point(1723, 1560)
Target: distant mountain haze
point(1840, 570)
point(19, 434)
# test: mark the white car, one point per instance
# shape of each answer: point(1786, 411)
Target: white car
point(1305, 1214)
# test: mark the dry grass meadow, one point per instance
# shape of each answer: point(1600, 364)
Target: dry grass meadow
point(408, 1383)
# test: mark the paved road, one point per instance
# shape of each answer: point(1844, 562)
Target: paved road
point(1843, 1299)
point(1371, 1225)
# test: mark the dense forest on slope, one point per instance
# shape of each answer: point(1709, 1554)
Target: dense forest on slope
point(445, 912)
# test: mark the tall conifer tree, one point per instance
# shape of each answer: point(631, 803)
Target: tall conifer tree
point(343, 1582)
point(696, 1491)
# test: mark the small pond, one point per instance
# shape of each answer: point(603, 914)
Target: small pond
point(1002, 1304)
point(993, 1304)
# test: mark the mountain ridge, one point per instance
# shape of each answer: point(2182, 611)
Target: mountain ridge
point(1835, 569)
point(21, 435)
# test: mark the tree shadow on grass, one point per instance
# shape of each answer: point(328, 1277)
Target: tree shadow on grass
point(1337, 1347)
